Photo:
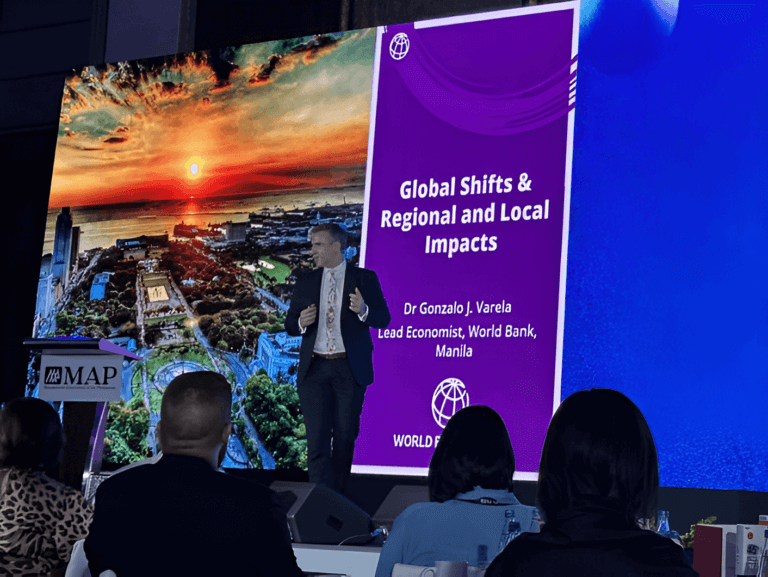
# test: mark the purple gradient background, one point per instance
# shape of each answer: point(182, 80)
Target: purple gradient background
point(416, 138)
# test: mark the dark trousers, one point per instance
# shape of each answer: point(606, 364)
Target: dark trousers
point(331, 402)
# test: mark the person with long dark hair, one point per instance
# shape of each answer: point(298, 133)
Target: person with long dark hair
point(472, 511)
point(40, 518)
point(598, 483)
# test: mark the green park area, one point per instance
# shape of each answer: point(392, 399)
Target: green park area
point(270, 269)
point(155, 398)
point(136, 378)
point(125, 439)
point(163, 355)
point(168, 319)
point(160, 357)
point(274, 410)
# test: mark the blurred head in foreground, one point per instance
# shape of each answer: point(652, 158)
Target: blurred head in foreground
point(31, 436)
point(599, 450)
point(473, 451)
point(195, 416)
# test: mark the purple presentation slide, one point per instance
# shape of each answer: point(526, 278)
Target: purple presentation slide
point(466, 223)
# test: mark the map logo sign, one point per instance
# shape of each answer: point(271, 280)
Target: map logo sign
point(88, 377)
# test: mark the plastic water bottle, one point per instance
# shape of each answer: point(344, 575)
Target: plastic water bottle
point(662, 526)
point(662, 523)
point(510, 530)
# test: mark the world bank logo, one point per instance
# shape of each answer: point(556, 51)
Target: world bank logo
point(399, 46)
point(449, 397)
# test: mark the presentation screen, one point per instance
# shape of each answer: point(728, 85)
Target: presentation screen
point(530, 240)
point(183, 191)
point(467, 197)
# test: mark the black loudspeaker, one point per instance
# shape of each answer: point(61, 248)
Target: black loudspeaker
point(400, 498)
point(317, 514)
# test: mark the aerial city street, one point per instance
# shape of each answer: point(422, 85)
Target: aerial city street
point(199, 297)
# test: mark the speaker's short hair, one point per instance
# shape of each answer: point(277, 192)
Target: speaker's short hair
point(338, 233)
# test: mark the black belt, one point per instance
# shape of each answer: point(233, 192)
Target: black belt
point(330, 356)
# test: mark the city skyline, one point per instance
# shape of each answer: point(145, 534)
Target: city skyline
point(102, 225)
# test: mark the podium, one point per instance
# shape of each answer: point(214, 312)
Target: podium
point(85, 374)
point(80, 369)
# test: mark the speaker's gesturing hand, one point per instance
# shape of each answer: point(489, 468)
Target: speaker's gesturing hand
point(356, 304)
point(308, 316)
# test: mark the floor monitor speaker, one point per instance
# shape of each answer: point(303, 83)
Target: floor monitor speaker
point(317, 514)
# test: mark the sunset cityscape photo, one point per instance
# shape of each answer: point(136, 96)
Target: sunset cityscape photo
point(183, 191)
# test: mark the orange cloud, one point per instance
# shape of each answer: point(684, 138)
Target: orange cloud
point(138, 126)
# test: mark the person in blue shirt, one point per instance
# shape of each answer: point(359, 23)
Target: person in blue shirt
point(472, 513)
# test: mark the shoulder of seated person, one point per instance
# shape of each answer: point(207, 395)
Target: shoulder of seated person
point(40, 481)
point(255, 489)
point(417, 508)
point(430, 512)
point(237, 481)
point(536, 550)
point(217, 481)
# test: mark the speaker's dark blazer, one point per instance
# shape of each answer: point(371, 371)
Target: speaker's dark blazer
point(355, 333)
point(181, 517)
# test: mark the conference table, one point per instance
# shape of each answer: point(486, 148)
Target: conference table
point(337, 560)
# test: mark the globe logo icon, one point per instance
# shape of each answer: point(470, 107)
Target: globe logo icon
point(399, 46)
point(449, 397)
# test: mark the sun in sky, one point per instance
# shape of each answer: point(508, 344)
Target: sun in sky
point(194, 167)
point(286, 116)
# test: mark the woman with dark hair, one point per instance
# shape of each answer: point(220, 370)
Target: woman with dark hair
point(598, 482)
point(472, 512)
point(40, 519)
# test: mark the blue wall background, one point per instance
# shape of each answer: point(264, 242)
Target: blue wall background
point(666, 289)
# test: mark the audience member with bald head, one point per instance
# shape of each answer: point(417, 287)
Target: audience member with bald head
point(196, 417)
point(205, 522)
